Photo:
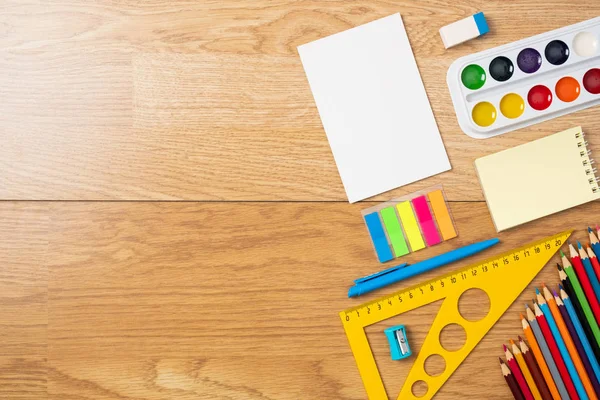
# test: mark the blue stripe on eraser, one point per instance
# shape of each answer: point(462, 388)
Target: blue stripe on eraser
point(384, 253)
point(482, 25)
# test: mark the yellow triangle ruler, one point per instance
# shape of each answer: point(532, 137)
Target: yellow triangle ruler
point(502, 277)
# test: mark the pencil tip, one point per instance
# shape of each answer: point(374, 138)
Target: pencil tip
point(560, 287)
point(578, 244)
point(589, 230)
point(504, 347)
point(554, 293)
point(526, 306)
point(537, 291)
point(500, 358)
point(521, 315)
point(520, 338)
point(562, 254)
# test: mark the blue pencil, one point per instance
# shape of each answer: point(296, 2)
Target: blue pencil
point(562, 346)
point(594, 242)
point(580, 332)
point(589, 270)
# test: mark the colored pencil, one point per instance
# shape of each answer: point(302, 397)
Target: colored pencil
point(556, 353)
point(594, 242)
point(511, 381)
point(579, 269)
point(535, 371)
point(539, 355)
point(587, 349)
point(548, 354)
point(516, 370)
point(595, 385)
point(589, 271)
point(525, 371)
point(567, 352)
point(578, 290)
point(568, 288)
point(594, 260)
point(583, 368)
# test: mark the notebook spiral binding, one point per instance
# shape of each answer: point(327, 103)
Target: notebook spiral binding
point(588, 162)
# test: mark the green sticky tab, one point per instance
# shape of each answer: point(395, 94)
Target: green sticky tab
point(392, 226)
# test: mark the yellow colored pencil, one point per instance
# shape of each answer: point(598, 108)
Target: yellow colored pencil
point(525, 370)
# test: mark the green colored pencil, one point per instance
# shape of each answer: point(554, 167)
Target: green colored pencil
point(570, 271)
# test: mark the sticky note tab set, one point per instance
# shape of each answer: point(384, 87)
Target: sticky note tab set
point(409, 223)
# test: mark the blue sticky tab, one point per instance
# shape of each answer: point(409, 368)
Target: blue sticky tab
point(384, 253)
point(482, 25)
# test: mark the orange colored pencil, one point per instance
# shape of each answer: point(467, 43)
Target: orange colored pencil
point(564, 332)
point(525, 371)
point(537, 352)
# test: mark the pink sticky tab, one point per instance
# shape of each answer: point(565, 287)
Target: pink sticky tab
point(426, 221)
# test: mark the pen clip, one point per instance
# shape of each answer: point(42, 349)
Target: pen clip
point(380, 273)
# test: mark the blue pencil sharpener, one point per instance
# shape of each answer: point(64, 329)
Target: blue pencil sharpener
point(399, 347)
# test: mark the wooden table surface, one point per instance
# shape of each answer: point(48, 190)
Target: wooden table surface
point(173, 224)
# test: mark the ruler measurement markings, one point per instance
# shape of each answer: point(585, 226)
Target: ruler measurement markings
point(403, 297)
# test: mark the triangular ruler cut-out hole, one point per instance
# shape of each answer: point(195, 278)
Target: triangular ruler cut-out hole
point(502, 278)
point(394, 372)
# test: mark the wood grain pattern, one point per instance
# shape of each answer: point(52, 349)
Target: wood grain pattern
point(207, 101)
point(23, 300)
point(211, 301)
point(180, 99)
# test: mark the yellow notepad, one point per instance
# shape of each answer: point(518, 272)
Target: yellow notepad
point(538, 178)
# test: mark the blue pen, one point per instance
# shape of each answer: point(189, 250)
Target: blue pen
point(580, 332)
point(562, 347)
point(395, 274)
point(589, 270)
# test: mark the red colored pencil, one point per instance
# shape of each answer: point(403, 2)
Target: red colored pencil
point(585, 281)
point(560, 363)
point(511, 381)
point(514, 367)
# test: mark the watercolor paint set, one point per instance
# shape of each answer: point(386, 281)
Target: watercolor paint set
point(528, 81)
point(410, 223)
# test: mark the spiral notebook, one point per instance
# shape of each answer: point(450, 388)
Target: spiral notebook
point(538, 178)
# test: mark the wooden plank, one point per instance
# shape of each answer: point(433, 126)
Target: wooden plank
point(191, 100)
point(23, 300)
point(240, 301)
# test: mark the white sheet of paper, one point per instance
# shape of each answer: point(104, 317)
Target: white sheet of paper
point(374, 108)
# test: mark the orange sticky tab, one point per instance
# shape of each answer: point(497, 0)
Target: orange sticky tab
point(442, 215)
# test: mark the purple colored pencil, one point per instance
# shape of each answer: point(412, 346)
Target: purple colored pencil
point(578, 345)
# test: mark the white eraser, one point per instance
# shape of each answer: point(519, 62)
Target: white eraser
point(463, 30)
